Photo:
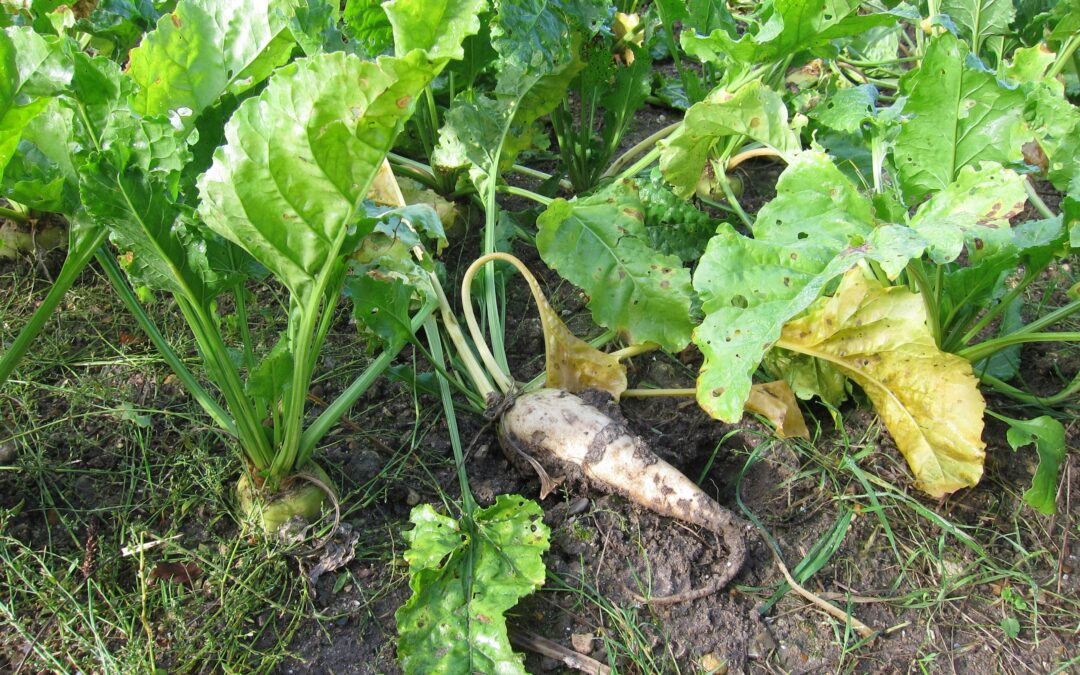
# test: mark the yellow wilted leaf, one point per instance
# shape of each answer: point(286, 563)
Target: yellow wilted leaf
point(384, 187)
point(929, 400)
point(776, 402)
point(574, 365)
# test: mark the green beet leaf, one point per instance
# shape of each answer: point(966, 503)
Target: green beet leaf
point(975, 210)
point(369, 26)
point(299, 158)
point(980, 19)
point(32, 69)
point(781, 28)
point(753, 110)
point(600, 244)
point(463, 579)
point(205, 48)
point(436, 26)
point(1048, 436)
point(537, 57)
point(961, 114)
point(121, 22)
point(846, 110)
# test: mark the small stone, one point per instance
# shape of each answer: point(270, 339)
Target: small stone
point(412, 498)
point(713, 664)
point(7, 453)
point(761, 645)
point(582, 642)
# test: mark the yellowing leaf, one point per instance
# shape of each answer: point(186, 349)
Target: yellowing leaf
point(776, 402)
point(384, 187)
point(574, 365)
point(928, 399)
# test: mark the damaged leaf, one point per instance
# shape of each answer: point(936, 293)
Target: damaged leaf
point(776, 402)
point(464, 577)
point(928, 399)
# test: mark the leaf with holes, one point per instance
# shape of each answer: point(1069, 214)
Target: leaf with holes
point(961, 114)
point(929, 400)
point(464, 577)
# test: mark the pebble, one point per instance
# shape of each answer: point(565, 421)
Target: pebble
point(7, 453)
point(761, 645)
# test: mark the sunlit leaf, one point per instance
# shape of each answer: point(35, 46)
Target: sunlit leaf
point(600, 245)
point(974, 209)
point(961, 114)
point(205, 48)
point(463, 580)
point(754, 111)
point(980, 19)
point(816, 228)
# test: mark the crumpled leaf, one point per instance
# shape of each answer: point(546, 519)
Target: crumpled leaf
point(537, 45)
point(929, 400)
point(776, 402)
point(806, 376)
point(782, 28)
point(415, 193)
point(753, 110)
point(336, 553)
point(463, 580)
point(1050, 116)
point(1048, 435)
point(961, 114)
point(369, 26)
point(600, 245)
point(974, 209)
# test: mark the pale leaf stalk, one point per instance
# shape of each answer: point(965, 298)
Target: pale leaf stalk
point(657, 393)
point(750, 154)
point(648, 144)
point(472, 367)
point(635, 350)
point(470, 317)
point(991, 347)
